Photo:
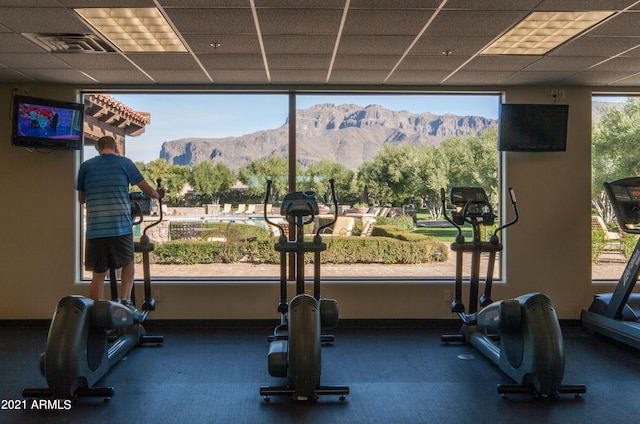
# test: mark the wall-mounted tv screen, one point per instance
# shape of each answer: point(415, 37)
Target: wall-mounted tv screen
point(44, 123)
point(533, 128)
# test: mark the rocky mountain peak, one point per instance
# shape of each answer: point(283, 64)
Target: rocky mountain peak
point(347, 133)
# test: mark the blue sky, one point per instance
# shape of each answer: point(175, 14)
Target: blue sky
point(176, 116)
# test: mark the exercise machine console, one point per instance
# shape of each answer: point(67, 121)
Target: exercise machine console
point(617, 315)
point(521, 336)
point(295, 346)
point(86, 337)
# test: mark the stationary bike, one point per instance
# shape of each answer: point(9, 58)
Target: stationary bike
point(86, 337)
point(521, 336)
point(295, 346)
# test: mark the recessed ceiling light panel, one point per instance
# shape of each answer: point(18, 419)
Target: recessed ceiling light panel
point(541, 32)
point(134, 29)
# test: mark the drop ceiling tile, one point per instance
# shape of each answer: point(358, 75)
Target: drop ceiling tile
point(240, 76)
point(42, 19)
point(562, 63)
point(421, 78)
point(432, 62)
point(371, 44)
point(436, 44)
point(299, 61)
point(212, 21)
point(619, 64)
point(299, 44)
point(299, 21)
point(229, 43)
point(177, 61)
point(95, 60)
point(31, 60)
point(64, 76)
point(373, 62)
point(386, 21)
point(474, 22)
point(596, 46)
point(178, 76)
point(231, 61)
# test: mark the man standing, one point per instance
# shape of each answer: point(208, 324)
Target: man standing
point(53, 119)
point(103, 184)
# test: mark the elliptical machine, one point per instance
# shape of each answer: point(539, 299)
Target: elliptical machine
point(86, 337)
point(521, 336)
point(295, 346)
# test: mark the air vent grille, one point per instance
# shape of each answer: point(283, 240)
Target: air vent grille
point(70, 43)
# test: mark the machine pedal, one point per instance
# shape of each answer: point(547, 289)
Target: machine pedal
point(157, 340)
point(453, 338)
point(520, 389)
point(267, 392)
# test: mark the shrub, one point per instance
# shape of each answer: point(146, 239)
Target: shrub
point(240, 232)
point(340, 250)
point(597, 243)
point(630, 241)
point(402, 222)
point(195, 252)
point(205, 230)
point(393, 231)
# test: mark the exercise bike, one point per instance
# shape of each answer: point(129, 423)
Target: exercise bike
point(295, 346)
point(616, 315)
point(521, 336)
point(86, 337)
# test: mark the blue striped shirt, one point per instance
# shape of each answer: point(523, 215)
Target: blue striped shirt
point(105, 180)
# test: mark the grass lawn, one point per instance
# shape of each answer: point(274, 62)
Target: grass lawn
point(448, 234)
point(444, 235)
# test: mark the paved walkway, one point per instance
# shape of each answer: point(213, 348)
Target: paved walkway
point(610, 266)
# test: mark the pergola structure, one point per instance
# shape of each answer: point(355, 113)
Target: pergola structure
point(104, 115)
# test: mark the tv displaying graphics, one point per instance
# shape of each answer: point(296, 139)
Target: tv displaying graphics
point(533, 128)
point(50, 124)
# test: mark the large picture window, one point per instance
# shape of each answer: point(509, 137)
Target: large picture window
point(614, 134)
point(389, 155)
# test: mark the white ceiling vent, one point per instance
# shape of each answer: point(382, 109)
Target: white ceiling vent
point(70, 43)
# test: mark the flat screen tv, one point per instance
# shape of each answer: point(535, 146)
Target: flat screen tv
point(533, 128)
point(48, 124)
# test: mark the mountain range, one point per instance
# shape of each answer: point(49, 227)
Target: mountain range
point(346, 133)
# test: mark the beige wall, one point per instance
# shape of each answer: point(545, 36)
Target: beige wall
point(548, 251)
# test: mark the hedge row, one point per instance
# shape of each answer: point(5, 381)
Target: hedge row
point(393, 231)
point(598, 242)
point(340, 250)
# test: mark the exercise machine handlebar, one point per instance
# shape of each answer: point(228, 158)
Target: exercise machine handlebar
point(267, 196)
point(514, 203)
point(478, 216)
point(160, 216)
point(309, 208)
point(334, 197)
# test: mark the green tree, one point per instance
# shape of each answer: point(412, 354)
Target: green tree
point(256, 173)
point(473, 161)
point(460, 158)
point(485, 160)
point(613, 138)
point(173, 177)
point(317, 177)
point(433, 169)
point(368, 182)
point(392, 176)
point(211, 179)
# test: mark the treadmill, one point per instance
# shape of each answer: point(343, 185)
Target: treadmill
point(616, 315)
